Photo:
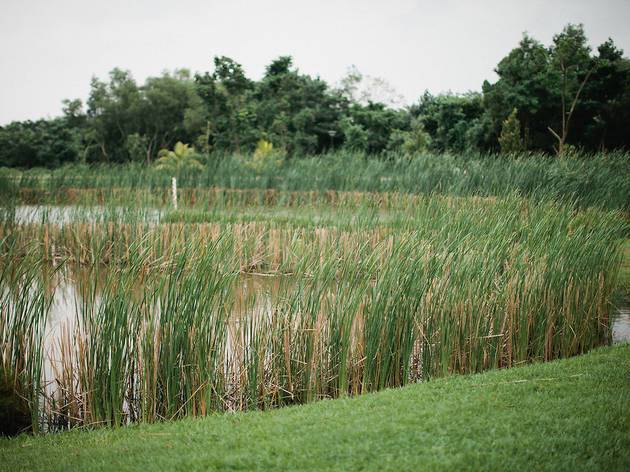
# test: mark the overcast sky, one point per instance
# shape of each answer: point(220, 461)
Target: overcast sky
point(51, 49)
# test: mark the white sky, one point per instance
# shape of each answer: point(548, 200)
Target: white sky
point(49, 49)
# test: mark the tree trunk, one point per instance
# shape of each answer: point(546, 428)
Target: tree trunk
point(566, 116)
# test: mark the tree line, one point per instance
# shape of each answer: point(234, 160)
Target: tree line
point(560, 99)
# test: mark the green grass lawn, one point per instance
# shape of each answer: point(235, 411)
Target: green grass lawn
point(572, 414)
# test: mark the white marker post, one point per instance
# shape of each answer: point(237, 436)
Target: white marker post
point(174, 188)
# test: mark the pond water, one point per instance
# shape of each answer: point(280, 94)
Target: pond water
point(252, 294)
point(37, 214)
point(621, 326)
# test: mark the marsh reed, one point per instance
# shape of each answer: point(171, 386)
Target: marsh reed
point(589, 180)
point(364, 301)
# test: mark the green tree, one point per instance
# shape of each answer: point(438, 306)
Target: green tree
point(45, 143)
point(170, 111)
point(524, 83)
point(128, 122)
point(226, 94)
point(379, 122)
point(510, 139)
point(412, 141)
point(450, 120)
point(296, 112)
point(571, 66)
point(355, 136)
point(114, 112)
point(602, 120)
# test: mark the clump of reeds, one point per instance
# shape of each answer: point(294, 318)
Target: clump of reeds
point(443, 285)
point(24, 305)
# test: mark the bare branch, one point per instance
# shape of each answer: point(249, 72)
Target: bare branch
point(554, 133)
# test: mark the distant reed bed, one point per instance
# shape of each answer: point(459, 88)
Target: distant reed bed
point(588, 180)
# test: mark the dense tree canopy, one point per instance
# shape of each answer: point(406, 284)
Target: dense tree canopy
point(563, 94)
point(557, 98)
point(38, 143)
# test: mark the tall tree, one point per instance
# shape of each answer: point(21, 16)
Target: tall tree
point(572, 66)
point(226, 94)
point(171, 111)
point(297, 112)
point(452, 121)
point(603, 119)
point(114, 111)
point(524, 84)
point(42, 143)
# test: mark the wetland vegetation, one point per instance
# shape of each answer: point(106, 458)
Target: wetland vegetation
point(112, 317)
point(208, 243)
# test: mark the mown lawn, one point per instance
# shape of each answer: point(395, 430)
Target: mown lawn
point(572, 414)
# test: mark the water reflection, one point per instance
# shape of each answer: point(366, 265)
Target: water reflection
point(252, 294)
point(57, 214)
point(621, 326)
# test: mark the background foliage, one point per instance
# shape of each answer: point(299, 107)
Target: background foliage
point(552, 99)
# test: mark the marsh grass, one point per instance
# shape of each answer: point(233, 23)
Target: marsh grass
point(366, 300)
point(24, 304)
point(590, 180)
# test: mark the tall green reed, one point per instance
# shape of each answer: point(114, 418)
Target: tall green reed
point(431, 287)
